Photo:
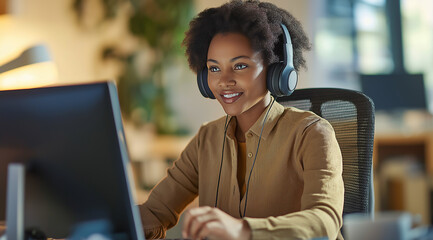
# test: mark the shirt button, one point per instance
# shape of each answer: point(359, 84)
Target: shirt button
point(249, 135)
point(250, 154)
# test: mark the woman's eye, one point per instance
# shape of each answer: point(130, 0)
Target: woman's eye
point(214, 69)
point(240, 66)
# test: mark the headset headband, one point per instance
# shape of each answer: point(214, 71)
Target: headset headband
point(287, 43)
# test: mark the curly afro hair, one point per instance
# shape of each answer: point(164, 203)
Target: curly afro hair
point(258, 21)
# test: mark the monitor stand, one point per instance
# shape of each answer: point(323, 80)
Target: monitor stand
point(98, 228)
point(15, 201)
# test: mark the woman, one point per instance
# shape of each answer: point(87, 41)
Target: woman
point(263, 171)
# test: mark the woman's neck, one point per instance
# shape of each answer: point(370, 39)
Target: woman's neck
point(247, 119)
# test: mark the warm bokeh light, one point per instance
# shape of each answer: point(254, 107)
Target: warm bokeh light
point(15, 36)
point(30, 76)
point(418, 36)
point(372, 38)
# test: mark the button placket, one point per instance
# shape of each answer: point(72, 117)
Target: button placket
point(249, 135)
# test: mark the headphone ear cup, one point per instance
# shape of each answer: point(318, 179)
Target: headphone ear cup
point(282, 77)
point(292, 81)
point(203, 85)
point(287, 81)
point(281, 81)
point(273, 79)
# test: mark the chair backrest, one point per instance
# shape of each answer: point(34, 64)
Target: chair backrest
point(351, 113)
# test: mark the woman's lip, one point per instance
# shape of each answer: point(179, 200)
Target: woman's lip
point(231, 97)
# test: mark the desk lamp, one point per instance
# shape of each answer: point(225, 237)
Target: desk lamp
point(32, 68)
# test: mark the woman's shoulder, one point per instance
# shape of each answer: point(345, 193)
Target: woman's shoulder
point(302, 119)
point(213, 126)
point(215, 123)
point(296, 115)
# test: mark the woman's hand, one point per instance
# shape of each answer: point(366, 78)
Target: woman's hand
point(212, 223)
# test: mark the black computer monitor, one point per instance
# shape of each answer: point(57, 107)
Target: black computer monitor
point(395, 92)
point(71, 142)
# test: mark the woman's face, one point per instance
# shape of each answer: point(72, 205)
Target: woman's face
point(236, 75)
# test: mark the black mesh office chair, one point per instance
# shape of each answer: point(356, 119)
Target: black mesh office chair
point(351, 113)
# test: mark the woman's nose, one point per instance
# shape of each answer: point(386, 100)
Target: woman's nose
point(227, 79)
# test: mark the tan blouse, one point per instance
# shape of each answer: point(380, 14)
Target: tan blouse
point(296, 188)
point(242, 162)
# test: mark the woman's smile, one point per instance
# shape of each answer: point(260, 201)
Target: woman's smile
point(230, 97)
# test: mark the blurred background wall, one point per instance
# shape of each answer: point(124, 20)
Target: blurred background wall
point(77, 48)
point(349, 37)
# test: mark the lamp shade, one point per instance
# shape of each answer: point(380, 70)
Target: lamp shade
point(35, 54)
point(32, 68)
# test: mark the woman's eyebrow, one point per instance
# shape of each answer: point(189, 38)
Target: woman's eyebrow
point(231, 60)
point(236, 58)
point(212, 60)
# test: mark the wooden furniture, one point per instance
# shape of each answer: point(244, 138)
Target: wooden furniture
point(419, 145)
point(403, 164)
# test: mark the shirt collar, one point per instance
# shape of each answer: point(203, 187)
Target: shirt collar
point(274, 114)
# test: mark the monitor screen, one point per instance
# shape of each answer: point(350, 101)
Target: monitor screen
point(395, 92)
point(71, 142)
